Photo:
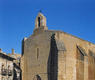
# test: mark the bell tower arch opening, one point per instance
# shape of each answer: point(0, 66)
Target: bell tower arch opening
point(39, 21)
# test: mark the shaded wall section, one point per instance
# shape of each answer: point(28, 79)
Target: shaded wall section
point(53, 60)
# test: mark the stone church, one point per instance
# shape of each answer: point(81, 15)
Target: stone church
point(56, 55)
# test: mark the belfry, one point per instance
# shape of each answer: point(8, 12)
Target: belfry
point(40, 22)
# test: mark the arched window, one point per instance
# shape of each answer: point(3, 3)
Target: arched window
point(37, 77)
point(39, 21)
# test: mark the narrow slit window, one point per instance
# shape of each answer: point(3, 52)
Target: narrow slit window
point(37, 53)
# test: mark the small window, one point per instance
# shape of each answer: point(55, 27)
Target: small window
point(39, 21)
point(2, 65)
point(8, 66)
point(37, 77)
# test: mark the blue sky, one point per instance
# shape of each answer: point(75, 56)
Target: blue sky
point(17, 19)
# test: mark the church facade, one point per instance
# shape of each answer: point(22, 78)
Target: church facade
point(56, 55)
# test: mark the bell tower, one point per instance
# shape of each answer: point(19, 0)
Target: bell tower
point(40, 22)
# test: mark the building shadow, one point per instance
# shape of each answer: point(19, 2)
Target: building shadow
point(17, 72)
point(52, 65)
point(15, 75)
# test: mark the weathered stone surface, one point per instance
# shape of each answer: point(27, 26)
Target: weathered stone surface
point(54, 55)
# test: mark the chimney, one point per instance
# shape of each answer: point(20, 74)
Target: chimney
point(0, 50)
point(12, 51)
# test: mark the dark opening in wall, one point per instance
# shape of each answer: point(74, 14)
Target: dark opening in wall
point(39, 21)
